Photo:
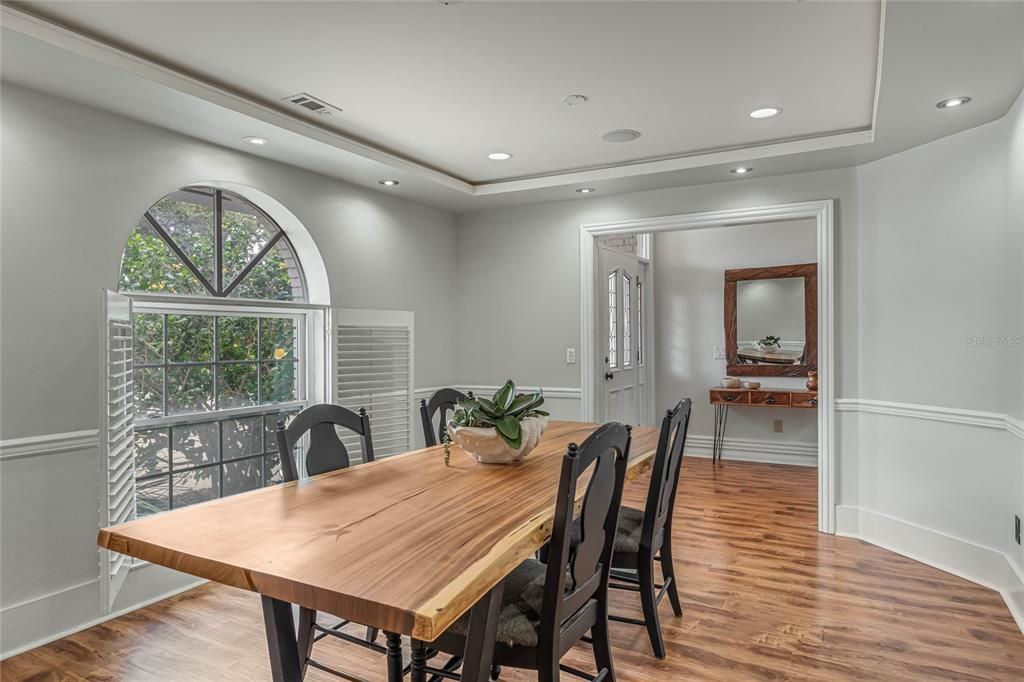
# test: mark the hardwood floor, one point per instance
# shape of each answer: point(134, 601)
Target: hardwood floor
point(765, 597)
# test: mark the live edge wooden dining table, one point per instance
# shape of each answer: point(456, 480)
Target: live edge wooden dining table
point(405, 544)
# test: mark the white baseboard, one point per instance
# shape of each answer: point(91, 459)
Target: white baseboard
point(765, 451)
point(49, 617)
point(985, 566)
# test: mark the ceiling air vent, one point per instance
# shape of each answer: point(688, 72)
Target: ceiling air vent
point(310, 103)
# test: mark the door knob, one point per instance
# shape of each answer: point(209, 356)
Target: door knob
point(609, 376)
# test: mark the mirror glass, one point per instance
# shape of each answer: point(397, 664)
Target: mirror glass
point(770, 321)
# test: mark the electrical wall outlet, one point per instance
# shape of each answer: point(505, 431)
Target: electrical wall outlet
point(777, 426)
point(718, 352)
point(570, 356)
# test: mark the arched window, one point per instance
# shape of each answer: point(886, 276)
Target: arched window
point(218, 346)
point(207, 242)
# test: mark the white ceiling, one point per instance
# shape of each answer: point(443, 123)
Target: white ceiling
point(429, 89)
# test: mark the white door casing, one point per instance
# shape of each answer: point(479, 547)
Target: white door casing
point(822, 211)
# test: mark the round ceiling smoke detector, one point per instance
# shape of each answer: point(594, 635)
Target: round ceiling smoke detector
point(623, 135)
point(573, 100)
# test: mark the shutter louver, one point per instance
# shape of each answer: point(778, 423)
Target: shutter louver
point(373, 362)
point(117, 434)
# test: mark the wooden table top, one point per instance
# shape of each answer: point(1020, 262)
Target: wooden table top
point(405, 544)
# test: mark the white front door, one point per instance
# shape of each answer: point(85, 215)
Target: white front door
point(620, 331)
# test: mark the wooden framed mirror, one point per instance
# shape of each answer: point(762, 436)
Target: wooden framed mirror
point(771, 320)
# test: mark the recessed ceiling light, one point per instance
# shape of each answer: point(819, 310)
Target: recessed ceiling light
point(953, 102)
point(573, 100)
point(767, 112)
point(742, 170)
point(388, 183)
point(586, 190)
point(255, 140)
point(499, 156)
point(621, 135)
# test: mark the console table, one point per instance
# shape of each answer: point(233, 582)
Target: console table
point(724, 398)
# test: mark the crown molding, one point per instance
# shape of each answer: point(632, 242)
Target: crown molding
point(106, 52)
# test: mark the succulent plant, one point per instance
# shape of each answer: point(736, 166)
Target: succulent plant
point(770, 340)
point(504, 411)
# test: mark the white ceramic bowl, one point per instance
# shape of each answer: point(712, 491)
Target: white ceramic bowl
point(486, 446)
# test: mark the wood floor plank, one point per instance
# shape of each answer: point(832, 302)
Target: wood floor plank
point(765, 597)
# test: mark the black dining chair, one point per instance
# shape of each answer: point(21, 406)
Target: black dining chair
point(548, 608)
point(325, 452)
point(645, 536)
point(444, 402)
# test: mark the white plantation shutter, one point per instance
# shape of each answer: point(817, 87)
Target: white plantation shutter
point(117, 433)
point(374, 369)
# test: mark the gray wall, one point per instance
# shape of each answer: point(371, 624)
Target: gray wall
point(942, 321)
point(537, 248)
point(688, 316)
point(75, 182)
point(928, 257)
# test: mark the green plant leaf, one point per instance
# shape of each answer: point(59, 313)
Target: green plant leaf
point(480, 418)
point(490, 408)
point(508, 427)
point(524, 402)
point(503, 396)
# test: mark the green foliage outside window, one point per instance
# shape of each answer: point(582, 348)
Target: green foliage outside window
point(202, 363)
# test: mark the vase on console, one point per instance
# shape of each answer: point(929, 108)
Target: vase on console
point(812, 381)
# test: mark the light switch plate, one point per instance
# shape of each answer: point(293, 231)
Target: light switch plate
point(570, 356)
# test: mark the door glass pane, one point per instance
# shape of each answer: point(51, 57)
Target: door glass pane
point(189, 389)
point(200, 485)
point(627, 322)
point(196, 444)
point(236, 338)
point(243, 475)
point(243, 437)
point(187, 218)
point(640, 322)
point(613, 352)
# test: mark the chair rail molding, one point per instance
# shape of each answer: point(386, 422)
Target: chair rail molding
point(48, 444)
point(822, 211)
point(950, 415)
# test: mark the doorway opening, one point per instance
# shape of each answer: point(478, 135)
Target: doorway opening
point(618, 283)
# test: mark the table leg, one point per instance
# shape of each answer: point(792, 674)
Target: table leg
point(396, 666)
point(281, 640)
point(483, 627)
